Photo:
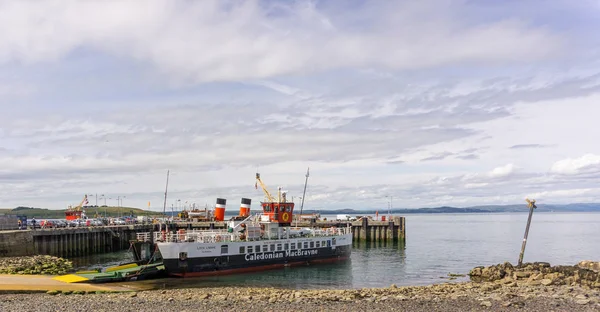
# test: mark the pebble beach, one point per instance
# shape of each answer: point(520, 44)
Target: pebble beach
point(485, 296)
point(531, 287)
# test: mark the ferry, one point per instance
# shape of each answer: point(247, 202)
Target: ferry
point(257, 242)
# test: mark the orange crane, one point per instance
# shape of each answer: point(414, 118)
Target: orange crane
point(74, 213)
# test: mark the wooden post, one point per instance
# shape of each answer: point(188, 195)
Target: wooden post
point(531, 205)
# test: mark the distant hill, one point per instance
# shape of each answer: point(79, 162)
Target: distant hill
point(577, 207)
point(124, 211)
point(90, 212)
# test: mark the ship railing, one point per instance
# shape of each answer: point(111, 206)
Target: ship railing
point(194, 236)
point(333, 231)
point(210, 237)
point(144, 237)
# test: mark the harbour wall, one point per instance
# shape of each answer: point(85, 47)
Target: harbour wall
point(83, 241)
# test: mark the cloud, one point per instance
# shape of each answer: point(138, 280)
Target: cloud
point(502, 171)
point(468, 157)
point(440, 156)
point(522, 146)
point(217, 41)
point(588, 163)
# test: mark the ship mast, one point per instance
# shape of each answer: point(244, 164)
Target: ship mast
point(304, 193)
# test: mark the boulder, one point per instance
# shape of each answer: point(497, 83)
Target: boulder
point(590, 265)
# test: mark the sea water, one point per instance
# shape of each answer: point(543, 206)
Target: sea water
point(436, 245)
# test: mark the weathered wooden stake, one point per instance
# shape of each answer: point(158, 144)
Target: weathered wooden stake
point(531, 205)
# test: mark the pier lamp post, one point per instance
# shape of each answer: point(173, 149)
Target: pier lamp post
point(118, 203)
point(390, 205)
point(104, 197)
point(120, 199)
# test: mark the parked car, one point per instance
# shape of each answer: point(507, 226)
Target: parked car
point(96, 222)
point(60, 223)
point(76, 223)
point(117, 221)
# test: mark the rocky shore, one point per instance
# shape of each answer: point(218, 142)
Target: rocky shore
point(489, 293)
point(46, 265)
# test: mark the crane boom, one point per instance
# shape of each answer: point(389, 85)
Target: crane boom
point(264, 188)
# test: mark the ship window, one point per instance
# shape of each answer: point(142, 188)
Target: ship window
point(318, 244)
point(257, 247)
point(265, 248)
point(249, 249)
point(323, 243)
point(278, 247)
point(328, 243)
point(242, 249)
point(224, 249)
point(333, 241)
point(312, 244)
point(286, 246)
point(305, 245)
point(282, 208)
point(272, 247)
point(293, 246)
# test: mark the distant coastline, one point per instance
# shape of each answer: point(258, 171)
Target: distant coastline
point(119, 211)
point(585, 207)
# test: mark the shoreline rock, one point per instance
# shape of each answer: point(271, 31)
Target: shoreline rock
point(41, 264)
point(540, 273)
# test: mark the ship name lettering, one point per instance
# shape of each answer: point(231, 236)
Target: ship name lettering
point(278, 255)
point(300, 253)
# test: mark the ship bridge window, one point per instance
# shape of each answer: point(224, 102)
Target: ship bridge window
point(257, 248)
point(250, 249)
point(242, 249)
point(224, 249)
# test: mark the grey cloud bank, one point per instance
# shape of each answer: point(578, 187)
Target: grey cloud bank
point(428, 102)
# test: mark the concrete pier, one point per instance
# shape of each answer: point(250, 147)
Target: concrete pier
point(83, 241)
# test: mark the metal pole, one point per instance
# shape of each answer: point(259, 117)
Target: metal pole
point(166, 189)
point(304, 193)
point(532, 206)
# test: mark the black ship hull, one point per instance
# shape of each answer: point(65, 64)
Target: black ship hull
point(222, 265)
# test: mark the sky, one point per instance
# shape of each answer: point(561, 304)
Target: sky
point(405, 104)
